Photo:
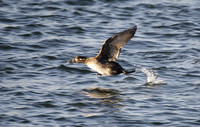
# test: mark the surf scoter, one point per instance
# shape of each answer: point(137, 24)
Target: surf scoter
point(105, 62)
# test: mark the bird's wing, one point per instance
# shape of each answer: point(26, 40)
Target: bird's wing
point(111, 48)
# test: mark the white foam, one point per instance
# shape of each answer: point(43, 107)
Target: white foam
point(152, 77)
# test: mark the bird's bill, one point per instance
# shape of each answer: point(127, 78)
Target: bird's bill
point(71, 61)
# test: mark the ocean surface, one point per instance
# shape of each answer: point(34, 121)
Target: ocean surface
point(38, 88)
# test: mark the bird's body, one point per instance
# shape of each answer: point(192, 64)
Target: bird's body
point(105, 62)
point(103, 67)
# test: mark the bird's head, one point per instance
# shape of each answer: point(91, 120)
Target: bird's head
point(78, 59)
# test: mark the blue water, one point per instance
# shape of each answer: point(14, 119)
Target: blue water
point(38, 87)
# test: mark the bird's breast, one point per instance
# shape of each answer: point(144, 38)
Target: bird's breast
point(99, 68)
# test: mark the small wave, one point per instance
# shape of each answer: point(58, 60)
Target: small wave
point(152, 77)
point(33, 35)
point(7, 47)
point(71, 69)
point(45, 104)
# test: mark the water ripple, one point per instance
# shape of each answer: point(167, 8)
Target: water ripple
point(38, 87)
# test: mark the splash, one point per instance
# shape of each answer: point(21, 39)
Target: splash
point(152, 77)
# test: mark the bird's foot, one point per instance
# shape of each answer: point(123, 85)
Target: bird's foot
point(128, 72)
point(99, 74)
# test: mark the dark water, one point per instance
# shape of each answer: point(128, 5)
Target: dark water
point(38, 87)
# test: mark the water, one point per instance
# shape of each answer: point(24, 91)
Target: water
point(38, 87)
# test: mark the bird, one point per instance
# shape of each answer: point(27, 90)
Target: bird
point(105, 62)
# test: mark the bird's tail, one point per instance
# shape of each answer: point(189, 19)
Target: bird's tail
point(128, 72)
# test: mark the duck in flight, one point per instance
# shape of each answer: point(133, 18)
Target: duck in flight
point(105, 62)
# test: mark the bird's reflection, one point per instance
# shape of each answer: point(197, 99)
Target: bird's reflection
point(109, 97)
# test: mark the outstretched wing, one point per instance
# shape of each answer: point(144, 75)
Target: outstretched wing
point(111, 48)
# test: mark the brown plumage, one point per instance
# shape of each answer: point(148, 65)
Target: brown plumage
point(105, 62)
